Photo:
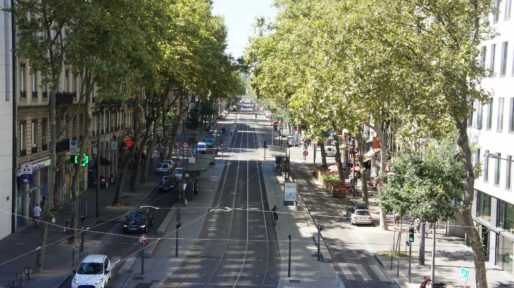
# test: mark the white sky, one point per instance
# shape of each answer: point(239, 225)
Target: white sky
point(240, 18)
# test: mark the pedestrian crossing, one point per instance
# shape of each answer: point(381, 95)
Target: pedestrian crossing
point(361, 272)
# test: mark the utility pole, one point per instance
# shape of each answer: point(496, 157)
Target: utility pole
point(97, 169)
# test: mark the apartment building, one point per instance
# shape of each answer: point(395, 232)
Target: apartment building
point(6, 121)
point(492, 128)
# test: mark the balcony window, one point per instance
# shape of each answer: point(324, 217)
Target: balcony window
point(470, 116)
point(486, 166)
point(496, 11)
point(503, 67)
point(490, 115)
point(506, 13)
point(492, 60)
point(34, 85)
point(23, 81)
point(483, 54)
point(499, 116)
point(480, 113)
point(22, 135)
point(45, 91)
point(508, 173)
point(33, 129)
point(497, 169)
point(511, 122)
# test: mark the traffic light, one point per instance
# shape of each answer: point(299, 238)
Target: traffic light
point(76, 158)
point(411, 234)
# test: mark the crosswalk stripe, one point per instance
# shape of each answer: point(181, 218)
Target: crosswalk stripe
point(345, 267)
point(362, 271)
point(379, 273)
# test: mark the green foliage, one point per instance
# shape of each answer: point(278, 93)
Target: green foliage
point(426, 186)
point(330, 177)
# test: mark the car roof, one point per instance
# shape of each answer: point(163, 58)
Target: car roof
point(94, 258)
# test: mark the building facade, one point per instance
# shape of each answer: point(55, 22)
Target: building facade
point(6, 121)
point(491, 127)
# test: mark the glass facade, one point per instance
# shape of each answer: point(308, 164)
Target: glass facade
point(484, 206)
point(505, 245)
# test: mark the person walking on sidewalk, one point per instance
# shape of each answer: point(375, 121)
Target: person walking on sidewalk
point(36, 213)
point(425, 282)
point(274, 213)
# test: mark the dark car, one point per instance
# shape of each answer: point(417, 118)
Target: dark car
point(138, 221)
point(355, 206)
point(168, 184)
point(209, 142)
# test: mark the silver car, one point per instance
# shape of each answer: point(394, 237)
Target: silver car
point(361, 216)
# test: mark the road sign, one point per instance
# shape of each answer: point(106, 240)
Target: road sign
point(128, 142)
point(464, 273)
point(73, 146)
point(114, 145)
point(26, 169)
point(305, 153)
point(143, 239)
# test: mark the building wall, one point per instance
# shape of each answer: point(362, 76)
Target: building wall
point(6, 122)
point(492, 128)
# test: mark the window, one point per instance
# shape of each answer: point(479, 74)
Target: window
point(486, 166)
point(45, 91)
point(33, 130)
point(484, 206)
point(497, 169)
point(499, 116)
point(492, 60)
point(483, 54)
point(23, 90)
point(508, 173)
point(480, 112)
point(496, 11)
point(34, 85)
point(505, 215)
point(490, 115)
point(477, 157)
point(22, 137)
point(506, 13)
point(511, 122)
point(73, 84)
point(503, 67)
point(67, 80)
point(470, 115)
point(44, 127)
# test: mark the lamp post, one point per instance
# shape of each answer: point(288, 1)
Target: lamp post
point(97, 172)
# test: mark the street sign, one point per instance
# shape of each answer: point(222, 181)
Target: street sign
point(305, 153)
point(114, 145)
point(26, 169)
point(73, 146)
point(128, 142)
point(143, 239)
point(464, 273)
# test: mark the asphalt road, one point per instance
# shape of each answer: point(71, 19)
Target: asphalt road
point(237, 244)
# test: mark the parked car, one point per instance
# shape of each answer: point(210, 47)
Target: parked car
point(170, 162)
point(168, 184)
point(355, 205)
point(201, 147)
point(213, 131)
point(209, 142)
point(330, 151)
point(138, 221)
point(163, 168)
point(93, 271)
point(293, 140)
point(361, 216)
point(178, 173)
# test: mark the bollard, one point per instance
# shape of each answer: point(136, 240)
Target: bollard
point(289, 259)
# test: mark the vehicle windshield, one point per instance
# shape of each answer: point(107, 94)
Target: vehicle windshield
point(362, 212)
point(90, 268)
point(136, 216)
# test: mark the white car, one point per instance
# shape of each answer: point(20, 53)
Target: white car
point(93, 271)
point(330, 151)
point(163, 168)
point(361, 216)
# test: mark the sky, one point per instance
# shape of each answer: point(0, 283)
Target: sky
point(240, 18)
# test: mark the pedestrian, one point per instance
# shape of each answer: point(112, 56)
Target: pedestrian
point(52, 219)
point(36, 213)
point(274, 212)
point(425, 282)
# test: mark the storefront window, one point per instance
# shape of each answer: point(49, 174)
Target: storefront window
point(484, 206)
point(505, 254)
point(506, 216)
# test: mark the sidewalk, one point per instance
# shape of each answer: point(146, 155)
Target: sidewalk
point(451, 252)
point(18, 250)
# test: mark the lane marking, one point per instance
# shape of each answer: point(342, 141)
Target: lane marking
point(347, 273)
point(362, 271)
point(379, 273)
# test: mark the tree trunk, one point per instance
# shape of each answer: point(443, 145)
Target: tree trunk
point(323, 155)
point(147, 161)
point(383, 161)
point(49, 205)
point(364, 174)
point(473, 236)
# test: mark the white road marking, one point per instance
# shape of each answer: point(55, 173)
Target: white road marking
point(362, 271)
point(379, 273)
point(347, 273)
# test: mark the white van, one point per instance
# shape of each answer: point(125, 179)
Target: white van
point(330, 151)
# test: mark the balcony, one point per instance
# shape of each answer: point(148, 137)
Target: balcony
point(23, 152)
point(34, 94)
point(23, 94)
point(64, 98)
point(33, 150)
point(63, 145)
point(45, 95)
point(44, 147)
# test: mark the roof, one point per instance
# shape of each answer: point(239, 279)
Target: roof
point(94, 258)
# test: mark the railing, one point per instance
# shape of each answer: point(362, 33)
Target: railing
point(34, 94)
point(34, 150)
point(23, 152)
point(23, 94)
point(44, 147)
